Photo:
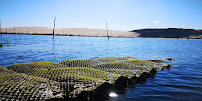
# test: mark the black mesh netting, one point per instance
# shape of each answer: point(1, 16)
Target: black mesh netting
point(67, 79)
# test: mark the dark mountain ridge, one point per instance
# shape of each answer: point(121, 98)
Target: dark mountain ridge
point(170, 33)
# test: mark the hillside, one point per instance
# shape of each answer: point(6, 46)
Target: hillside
point(170, 33)
point(67, 32)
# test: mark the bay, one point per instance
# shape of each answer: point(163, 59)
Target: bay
point(182, 82)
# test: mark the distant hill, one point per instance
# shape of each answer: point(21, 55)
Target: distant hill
point(169, 33)
point(67, 32)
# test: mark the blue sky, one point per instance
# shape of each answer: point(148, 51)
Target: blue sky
point(121, 15)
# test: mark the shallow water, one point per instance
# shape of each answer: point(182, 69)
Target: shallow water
point(182, 82)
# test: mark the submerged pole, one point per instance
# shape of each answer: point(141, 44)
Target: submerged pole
point(107, 30)
point(54, 28)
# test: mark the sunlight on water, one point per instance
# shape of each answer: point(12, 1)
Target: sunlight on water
point(112, 94)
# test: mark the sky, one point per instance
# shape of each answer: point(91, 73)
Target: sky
point(122, 15)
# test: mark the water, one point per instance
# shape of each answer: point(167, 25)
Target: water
point(182, 82)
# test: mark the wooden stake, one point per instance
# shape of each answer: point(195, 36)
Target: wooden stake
point(54, 28)
point(107, 30)
point(14, 29)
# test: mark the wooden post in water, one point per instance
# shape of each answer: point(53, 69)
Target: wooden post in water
point(84, 33)
point(14, 29)
point(107, 30)
point(54, 28)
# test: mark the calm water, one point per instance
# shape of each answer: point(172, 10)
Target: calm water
point(184, 82)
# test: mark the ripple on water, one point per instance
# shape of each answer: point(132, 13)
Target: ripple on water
point(182, 83)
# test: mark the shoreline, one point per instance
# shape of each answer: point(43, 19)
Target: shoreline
point(103, 36)
point(170, 38)
point(68, 32)
point(90, 32)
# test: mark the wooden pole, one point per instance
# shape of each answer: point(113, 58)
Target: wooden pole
point(107, 30)
point(14, 29)
point(54, 28)
point(84, 33)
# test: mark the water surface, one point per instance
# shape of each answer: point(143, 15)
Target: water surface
point(184, 82)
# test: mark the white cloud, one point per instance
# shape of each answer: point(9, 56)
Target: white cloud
point(156, 22)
